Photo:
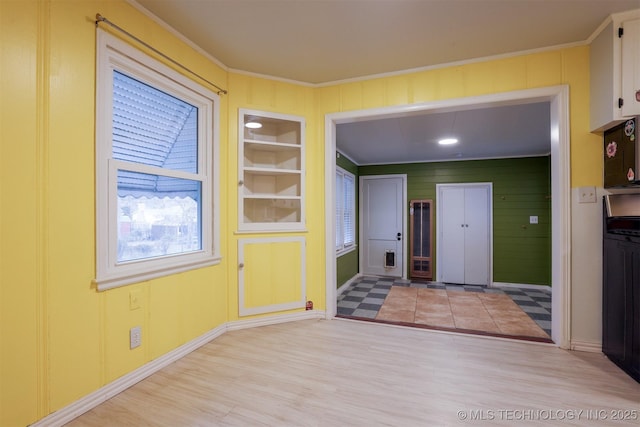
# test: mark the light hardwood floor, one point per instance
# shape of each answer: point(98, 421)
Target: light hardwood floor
point(350, 373)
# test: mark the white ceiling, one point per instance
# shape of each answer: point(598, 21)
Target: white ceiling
point(324, 41)
point(498, 132)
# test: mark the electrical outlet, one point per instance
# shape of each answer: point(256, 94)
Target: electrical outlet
point(135, 337)
point(533, 219)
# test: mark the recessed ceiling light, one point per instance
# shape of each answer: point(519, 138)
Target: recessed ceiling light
point(448, 141)
point(253, 125)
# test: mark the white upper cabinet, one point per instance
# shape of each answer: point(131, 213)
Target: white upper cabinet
point(631, 68)
point(615, 72)
point(271, 172)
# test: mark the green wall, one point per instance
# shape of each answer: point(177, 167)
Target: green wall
point(347, 264)
point(521, 187)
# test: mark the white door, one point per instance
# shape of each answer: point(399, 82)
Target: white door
point(382, 237)
point(464, 239)
point(452, 242)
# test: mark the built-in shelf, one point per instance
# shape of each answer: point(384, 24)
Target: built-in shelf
point(271, 166)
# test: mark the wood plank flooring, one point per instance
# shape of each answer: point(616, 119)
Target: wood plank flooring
point(349, 373)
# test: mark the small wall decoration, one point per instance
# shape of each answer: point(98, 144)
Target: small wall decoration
point(629, 129)
point(612, 148)
point(630, 175)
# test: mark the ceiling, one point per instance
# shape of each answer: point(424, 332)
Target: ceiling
point(323, 41)
point(498, 132)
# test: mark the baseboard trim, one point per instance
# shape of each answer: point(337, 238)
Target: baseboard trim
point(272, 320)
point(348, 283)
point(587, 346)
point(65, 415)
point(520, 285)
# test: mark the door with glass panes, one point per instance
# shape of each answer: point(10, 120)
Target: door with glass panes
point(421, 219)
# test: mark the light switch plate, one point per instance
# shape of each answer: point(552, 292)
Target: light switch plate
point(533, 219)
point(587, 195)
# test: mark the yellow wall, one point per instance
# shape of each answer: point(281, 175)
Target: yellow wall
point(285, 98)
point(565, 66)
point(60, 339)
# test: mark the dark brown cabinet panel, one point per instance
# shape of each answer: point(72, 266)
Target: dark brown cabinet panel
point(621, 302)
point(620, 155)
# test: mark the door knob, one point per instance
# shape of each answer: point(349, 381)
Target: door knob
point(399, 236)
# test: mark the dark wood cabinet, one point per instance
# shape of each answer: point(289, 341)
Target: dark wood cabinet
point(621, 302)
point(620, 155)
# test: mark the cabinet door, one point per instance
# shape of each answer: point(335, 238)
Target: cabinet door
point(617, 272)
point(620, 155)
point(634, 307)
point(271, 275)
point(631, 68)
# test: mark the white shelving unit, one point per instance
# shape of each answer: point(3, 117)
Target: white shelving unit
point(271, 172)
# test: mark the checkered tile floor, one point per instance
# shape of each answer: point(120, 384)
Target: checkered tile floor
point(364, 297)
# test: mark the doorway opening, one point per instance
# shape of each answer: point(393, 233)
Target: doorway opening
point(558, 99)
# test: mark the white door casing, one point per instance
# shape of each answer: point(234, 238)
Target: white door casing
point(382, 225)
point(558, 98)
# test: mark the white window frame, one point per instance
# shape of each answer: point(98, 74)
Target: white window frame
point(114, 54)
point(341, 247)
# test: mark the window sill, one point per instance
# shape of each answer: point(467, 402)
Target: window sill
point(345, 251)
point(105, 283)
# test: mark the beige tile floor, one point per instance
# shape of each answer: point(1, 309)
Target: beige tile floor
point(473, 311)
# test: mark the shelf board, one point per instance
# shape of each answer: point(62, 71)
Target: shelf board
point(270, 145)
point(271, 171)
point(271, 197)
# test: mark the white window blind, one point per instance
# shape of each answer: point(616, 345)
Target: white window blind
point(339, 210)
point(349, 210)
point(345, 210)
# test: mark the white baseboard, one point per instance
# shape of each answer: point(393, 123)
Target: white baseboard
point(90, 401)
point(272, 320)
point(520, 285)
point(346, 284)
point(587, 346)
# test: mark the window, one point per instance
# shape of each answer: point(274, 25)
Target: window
point(156, 168)
point(345, 211)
